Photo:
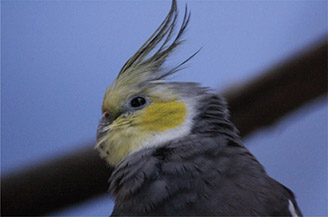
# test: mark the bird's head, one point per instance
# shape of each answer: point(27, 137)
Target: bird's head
point(141, 108)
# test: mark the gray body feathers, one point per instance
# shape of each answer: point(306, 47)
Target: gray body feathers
point(207, 173)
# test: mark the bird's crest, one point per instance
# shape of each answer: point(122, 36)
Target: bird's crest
point(146, 63)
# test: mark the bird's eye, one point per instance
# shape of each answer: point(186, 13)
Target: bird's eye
point(137, 102)
point(105, 115)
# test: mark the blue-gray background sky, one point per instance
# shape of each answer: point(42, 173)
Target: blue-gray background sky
point(58, 57)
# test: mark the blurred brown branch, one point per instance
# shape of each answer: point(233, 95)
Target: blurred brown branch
point(82, 175)
point(280, 90)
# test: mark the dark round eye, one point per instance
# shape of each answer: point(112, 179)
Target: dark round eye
point(105, 115)
point(138, 101)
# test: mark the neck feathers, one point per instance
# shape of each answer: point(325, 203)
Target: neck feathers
point(213, 118)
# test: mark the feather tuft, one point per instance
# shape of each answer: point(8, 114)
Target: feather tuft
point(146, 63)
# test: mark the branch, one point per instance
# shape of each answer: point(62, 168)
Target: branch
point(264, 100)
point(54, 185)
point(82, 175)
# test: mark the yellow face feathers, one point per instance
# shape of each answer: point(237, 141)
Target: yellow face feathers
point(131, 131)
point(162, 116)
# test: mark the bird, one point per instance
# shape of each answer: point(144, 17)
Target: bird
point(173, 148)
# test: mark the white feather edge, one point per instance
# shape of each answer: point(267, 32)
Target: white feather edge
point(291, 209)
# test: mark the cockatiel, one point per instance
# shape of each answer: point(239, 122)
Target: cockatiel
point(174, 150)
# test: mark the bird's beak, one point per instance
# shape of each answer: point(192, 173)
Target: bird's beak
point(103, 126)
